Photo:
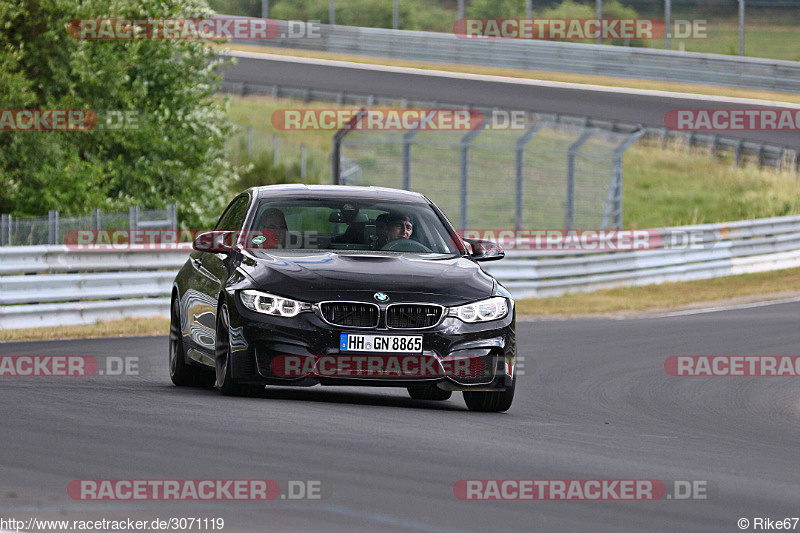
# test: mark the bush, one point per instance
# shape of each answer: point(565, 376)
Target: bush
point(175, 155)
point(414, 14)
point(611, 9)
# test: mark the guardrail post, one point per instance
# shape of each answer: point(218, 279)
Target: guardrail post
point(465, 142)
point(336, 151)
point(667, 23)
point(569, 219)
point(407, 139)
point(519, 182)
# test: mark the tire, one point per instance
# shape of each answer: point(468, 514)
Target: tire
point(181, 373)
point(224, 382)
point(491, 402)
point(429, 392)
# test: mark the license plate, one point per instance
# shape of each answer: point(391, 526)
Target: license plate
point(380, 343)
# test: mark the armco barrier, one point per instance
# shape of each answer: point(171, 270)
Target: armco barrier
point(725, 249)
point(52, 285)
point(55, 286)
point(605, 60)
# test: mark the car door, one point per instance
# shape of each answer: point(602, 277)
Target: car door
point(211, 273)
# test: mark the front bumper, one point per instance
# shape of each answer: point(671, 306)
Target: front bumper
point(259, 341)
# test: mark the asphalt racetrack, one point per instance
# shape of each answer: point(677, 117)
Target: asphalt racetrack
point(632, 107)
point(594, 403)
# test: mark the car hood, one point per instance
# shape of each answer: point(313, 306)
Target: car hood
point(316, 277)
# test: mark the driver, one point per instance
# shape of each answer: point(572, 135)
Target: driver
point(273, 220)
point(398, 226)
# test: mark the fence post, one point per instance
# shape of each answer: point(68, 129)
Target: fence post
point(5, 226)
point(52, 227)
point(275, 148)
point(465, 142)
point(336, 151)
point(97, 219)
point(407, 138)
point(303, 162)
point(172, 215)
point(739, 152)
point(573, 150)
point(614, 201)
point(133, 217)
point(520, 149)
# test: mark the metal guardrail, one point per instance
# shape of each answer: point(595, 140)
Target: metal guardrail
point(64, 286)
point(725, 249)
point(763, 154)
point(52, 285)
point(603, 60)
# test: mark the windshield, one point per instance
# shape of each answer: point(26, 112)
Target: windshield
point(350, 224)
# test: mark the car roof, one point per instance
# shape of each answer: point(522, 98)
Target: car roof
point(299, 190)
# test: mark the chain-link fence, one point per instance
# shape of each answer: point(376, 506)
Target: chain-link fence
point(293, 159)
point(545, 175)
point(27, 231)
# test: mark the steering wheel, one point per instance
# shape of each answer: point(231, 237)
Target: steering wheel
point(405, 245)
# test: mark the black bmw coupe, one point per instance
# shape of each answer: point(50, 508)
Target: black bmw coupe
point(302, 285)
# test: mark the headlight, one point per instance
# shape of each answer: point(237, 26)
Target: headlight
point(483, 311)
point(269, 304)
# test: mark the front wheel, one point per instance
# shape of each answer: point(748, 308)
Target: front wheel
point(225, 383)
point(491, 402)
point(181, 373)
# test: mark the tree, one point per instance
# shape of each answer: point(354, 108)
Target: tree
point(175, 153)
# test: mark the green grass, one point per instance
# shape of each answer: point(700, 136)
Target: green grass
point(767, 41)
point(761, 286)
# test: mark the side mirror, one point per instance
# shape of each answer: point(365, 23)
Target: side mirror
point(215, 241)
point(483, 250)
